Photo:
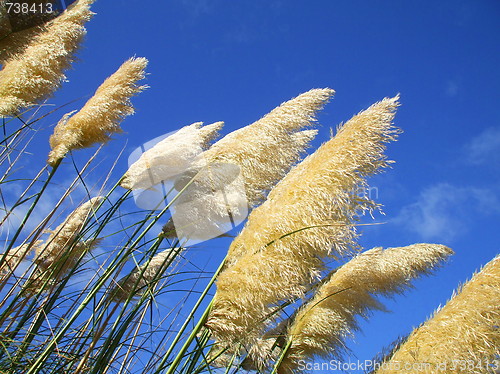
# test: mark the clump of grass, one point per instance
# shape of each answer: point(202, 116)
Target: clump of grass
point(100, 293)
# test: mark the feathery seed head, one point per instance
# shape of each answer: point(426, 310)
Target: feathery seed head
point(136, 282)
point(37, 72)
point(321, 326)
point(102, 114)
point(266, 149)
point(308, 216)
point(170, 157)
point(54, 253)
point(15, 43)
point(14, 258)
point(466, 328)
point(209, 133)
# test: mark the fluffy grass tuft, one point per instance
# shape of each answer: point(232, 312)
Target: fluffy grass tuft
point(462, 336)
point(102, 114)
point(35, 73)
point(322, 325)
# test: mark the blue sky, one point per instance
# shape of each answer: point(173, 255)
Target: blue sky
point(234, 61)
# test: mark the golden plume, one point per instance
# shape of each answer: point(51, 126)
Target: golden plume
point(63, 248)
point(102, 114)
point(266, 149)
point(38, 71)
point(321, 327)
point(461, 337)
point(308, 216)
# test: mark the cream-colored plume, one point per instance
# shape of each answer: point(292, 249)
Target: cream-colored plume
point(14, 258)
point(235, 173)
point(216, 198)
point(461, 337)
point(171, 156)
point(36, 72)
point(137, 282)
point(266, 149)
point(308, 216)
point(326, 188)
point(63, 248)
point(13, 43)
point(16, 43)
point(322, 325)
point(102, 114)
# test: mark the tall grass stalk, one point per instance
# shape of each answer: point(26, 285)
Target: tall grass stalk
point(33, 205)
point(116, 264)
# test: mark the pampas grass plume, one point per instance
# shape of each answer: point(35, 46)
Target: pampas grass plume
point(308, 216)
point(136, 282)
point(464, 334)
point(102, 114)
point(322, 325)
point(38, 71)
point(171, 156)
point(15, 43)
point(63, 248)
point(15, 256)
point(266, 149)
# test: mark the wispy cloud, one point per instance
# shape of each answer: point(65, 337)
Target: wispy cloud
point(485, 147)
point(197, 8)
point(10, 193)
point(452, 88)
point(444, 211)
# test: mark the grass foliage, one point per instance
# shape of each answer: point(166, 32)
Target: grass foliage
point(90, 283)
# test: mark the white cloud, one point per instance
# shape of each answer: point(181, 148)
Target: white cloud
point(44, 207)
point(485, 147)
point(443, 211)
point(452, 89)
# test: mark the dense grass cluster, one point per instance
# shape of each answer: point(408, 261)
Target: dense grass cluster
point(89, 283)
